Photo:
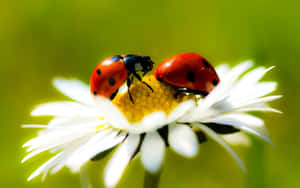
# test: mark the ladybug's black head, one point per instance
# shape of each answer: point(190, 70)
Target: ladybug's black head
point(146, 63)
point(135, 63)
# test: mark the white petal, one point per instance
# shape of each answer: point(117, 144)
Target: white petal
point(56, 138)
point(65, 109)
point(111, 113)
point(58, 161)
point(222, 106)
point(253, 109)
point(252, 92)
point(123, 89)
point(119, 160)
point(219, 140)
point(34, 153)
point(240, 117)
point(70, 149)
point(77, 122)
point(93, 147)
point(264, 88)
point(197, 114)
point(183, 140)
point(258, 101)
point(59, 120)
point(74, 89)
point(152, 152)
point(66, 152)
point(180, 110)
point(45, 166)
point(149, 123)
point(253, 76)
point(258, 107)
point(68, 129)
point(239, 125)
point(152, 121)
point(58, 167)
point(222, 90)
point(35, 126)
point(222, 70)
point(238, 139)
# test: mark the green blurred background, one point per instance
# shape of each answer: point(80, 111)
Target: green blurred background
point(41, 39)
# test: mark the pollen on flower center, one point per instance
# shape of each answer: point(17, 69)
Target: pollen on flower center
point(146, 102)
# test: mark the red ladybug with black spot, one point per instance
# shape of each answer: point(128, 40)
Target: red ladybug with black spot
point(188, 72)
point(111, 73)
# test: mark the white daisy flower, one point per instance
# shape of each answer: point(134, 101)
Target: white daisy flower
point(82, 130)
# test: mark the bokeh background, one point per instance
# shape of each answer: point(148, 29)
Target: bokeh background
point(42, 39)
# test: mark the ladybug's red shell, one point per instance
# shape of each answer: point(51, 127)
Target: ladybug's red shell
point(188, 70)
point(107, 77)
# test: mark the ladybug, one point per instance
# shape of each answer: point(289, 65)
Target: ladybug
point(188, 72)
point(112, 72)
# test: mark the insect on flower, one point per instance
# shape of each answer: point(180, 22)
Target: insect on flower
point(90, 126)
point(112, 72)
point(188, 72)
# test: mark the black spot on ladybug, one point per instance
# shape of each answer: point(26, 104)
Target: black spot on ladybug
point(116, 58)
point(98, 71)
point(215, 82)
point(190, 76)
point(95, 93)
point(205, 63)
point(111, 81)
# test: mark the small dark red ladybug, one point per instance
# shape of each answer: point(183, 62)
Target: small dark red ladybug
point(112, 72)
point(188, 72)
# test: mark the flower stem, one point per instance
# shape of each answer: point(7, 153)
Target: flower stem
point(151, 180)
point(84, 178)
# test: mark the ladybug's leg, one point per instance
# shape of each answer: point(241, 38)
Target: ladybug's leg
point(187, 90)
point(178, 91)
point(197, 92)
point(128, 85)
point(113, 95)
point(148, 86)
point(140, 79)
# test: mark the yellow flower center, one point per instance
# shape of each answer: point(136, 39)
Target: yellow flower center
point(146, 102)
